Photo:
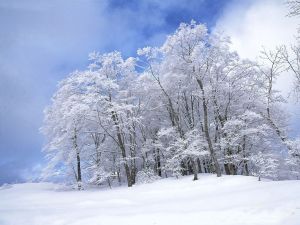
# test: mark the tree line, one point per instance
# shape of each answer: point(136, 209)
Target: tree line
point(189, 106)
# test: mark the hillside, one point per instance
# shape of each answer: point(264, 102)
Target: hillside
point(229, 200)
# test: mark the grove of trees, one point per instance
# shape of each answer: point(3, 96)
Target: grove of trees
point(189, 106)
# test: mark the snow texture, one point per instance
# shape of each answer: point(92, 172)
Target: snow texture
point(229, 200)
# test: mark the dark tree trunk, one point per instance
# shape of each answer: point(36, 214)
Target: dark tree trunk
point(199, 165)
point(79, 180)
point(246, 169)
point(158, 163)
point(195, 169)
point(205, 166)
point(230, 169)
point(183, 168)
point(78, 177)
point(226, 167)
point(133, 154)
point(233, 169)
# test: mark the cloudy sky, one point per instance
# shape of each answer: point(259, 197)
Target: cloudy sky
point(42, 41)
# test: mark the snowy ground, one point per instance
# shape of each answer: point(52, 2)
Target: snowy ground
point(233, 200)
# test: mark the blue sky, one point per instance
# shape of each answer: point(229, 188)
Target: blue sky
point(42, 41)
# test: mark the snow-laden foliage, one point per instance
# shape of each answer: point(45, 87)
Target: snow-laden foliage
point(191, 105)
point(146, 175)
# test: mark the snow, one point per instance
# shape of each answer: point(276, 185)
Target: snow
point(229, 200)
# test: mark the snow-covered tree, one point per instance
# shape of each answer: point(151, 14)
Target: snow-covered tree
point(64, 123)
point(191, 105)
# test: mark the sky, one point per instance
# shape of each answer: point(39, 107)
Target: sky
point(42, 41)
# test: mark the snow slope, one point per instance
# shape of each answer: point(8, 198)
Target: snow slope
point(234, 200)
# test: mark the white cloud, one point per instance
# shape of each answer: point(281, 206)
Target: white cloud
point(260, 23)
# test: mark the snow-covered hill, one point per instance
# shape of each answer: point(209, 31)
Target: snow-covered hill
point(234, 200)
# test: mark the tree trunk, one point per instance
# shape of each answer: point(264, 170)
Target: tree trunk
point(133, 155)
point(119, 177)
point(183, 168)
point(158, 163)
point(233, 169)
point(122, 148)
point(199, 165)
point(245, 167)
point(226, 167)
point(79, 180)
point(78, 172)
point(206, 131)
point(195, 169)
point(205, 166)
